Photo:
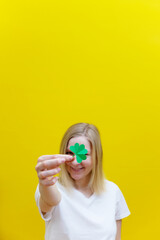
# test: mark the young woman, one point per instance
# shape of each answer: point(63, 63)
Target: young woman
point(81, 204)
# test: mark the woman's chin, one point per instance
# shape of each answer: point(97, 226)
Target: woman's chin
point(76, 176)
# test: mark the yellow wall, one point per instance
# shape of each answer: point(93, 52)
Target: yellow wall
point(64, 62)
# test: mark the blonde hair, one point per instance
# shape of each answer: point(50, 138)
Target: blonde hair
point(97, 177)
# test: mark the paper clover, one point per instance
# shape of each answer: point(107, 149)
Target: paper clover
point(79, 151)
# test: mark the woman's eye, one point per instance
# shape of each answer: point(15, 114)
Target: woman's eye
point(72, 153)
point(69, 152)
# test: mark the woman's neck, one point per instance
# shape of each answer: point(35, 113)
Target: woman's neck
point(82, 184)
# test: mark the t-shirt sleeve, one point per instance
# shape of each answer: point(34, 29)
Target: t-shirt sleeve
point(122, 209)
point(46, 216)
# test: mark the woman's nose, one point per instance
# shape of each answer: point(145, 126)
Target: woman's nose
point(74, 161)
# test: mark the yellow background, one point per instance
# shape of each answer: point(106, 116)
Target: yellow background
point(64, 62)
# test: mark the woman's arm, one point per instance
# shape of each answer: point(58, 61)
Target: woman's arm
point(49, 197)
point(119, 225)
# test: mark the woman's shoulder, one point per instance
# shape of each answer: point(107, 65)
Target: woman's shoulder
point(111, 185)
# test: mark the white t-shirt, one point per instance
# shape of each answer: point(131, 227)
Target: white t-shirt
point(77, 217)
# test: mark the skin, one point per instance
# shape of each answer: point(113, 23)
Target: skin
point(119, 226)
point(49, 165)
point(81, 178)
point(80, 172)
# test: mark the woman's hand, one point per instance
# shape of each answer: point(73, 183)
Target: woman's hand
point(48, 166)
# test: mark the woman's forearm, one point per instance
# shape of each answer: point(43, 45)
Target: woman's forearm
point(49, 196)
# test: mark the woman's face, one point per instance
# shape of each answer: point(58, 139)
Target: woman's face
point(81, 170)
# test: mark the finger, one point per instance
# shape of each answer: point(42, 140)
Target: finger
point(70, 158)
point(47, 157)
point(44, 174)
point(47, 182)
point(49, 164)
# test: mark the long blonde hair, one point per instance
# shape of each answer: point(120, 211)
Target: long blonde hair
point(97, 177)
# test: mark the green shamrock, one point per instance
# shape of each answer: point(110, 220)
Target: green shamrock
point(79, 151)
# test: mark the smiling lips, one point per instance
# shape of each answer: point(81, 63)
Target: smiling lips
point(77, 170)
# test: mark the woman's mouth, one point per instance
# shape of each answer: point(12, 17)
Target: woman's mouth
point(77, 169)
